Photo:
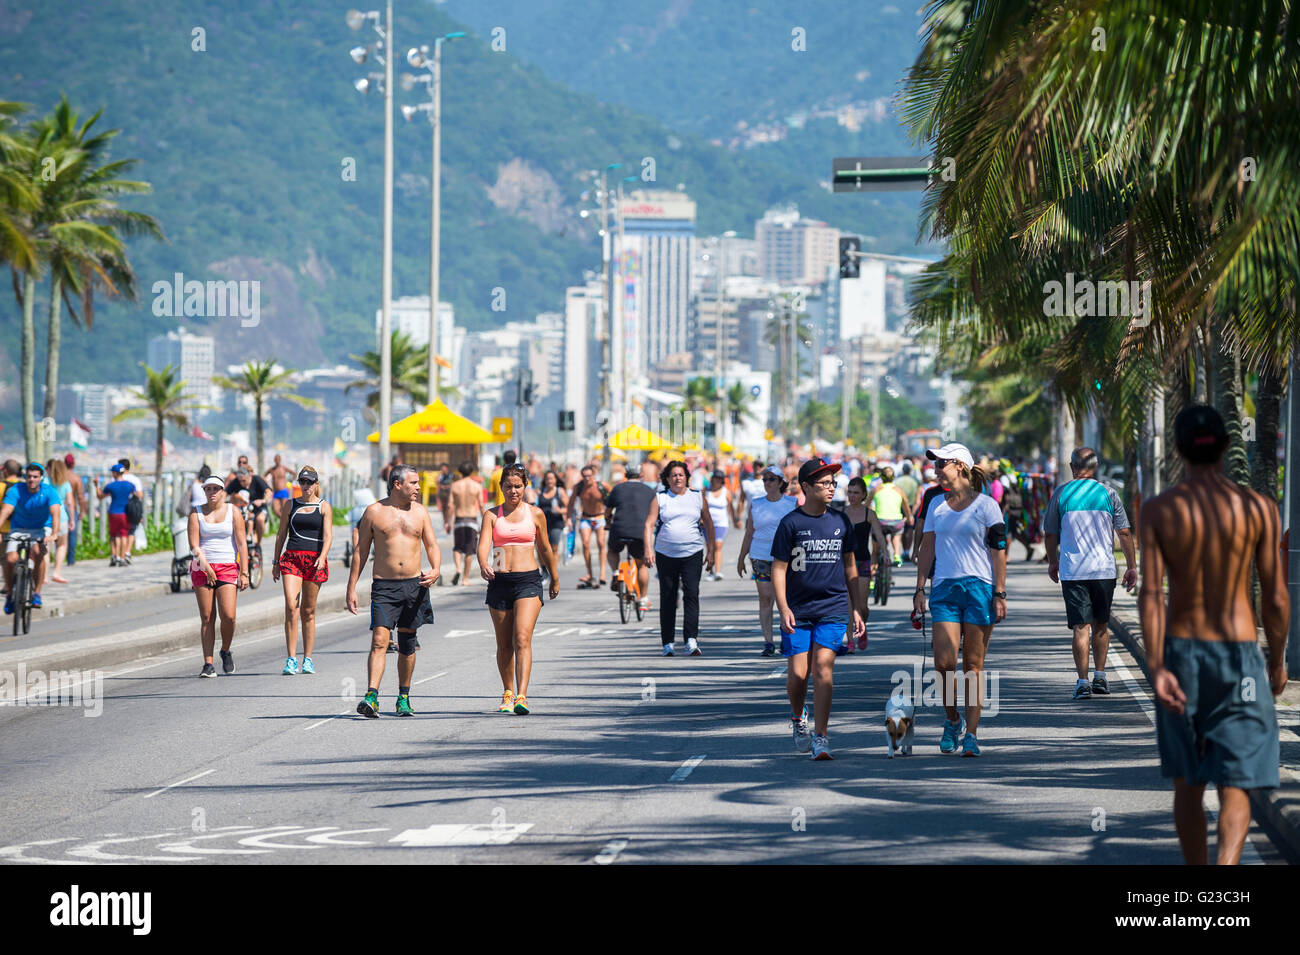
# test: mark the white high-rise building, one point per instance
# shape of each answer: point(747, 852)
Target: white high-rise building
point(583, 311)
point(862, 301)
point(410, 314)
point(793, 250)
point(193, 355)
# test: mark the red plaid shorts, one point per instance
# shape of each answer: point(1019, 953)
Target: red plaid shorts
point(302, 563)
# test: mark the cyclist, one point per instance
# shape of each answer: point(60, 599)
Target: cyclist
point(259, 496)
point(34, 508)
point(893, 511)
point(627, 509)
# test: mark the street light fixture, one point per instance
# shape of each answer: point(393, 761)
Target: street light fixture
point(417, 56)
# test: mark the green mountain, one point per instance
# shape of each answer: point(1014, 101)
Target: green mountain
point(243, 116)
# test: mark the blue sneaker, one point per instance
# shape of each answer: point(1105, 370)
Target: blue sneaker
point(307, 666)
point(290, 667)
point(36, 600)
point(970, 746)
point(9, 605)
point(951, 732)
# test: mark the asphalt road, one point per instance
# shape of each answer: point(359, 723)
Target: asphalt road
point(627, 757)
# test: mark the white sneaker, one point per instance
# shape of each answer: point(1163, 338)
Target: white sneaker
point(802, 740)
point(693, 648)
point(668, 649)
point(821, 749)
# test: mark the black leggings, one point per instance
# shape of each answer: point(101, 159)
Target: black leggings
point(683, 571)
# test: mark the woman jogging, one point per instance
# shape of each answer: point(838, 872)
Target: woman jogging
point(678, 536)
point(867, 535)
point(893, 512)
point(57, 474)
point(302, 546)
point(966, 540)
point(512, 545)
point(719, 498)
point(764, 514)
point(552, 500)
point(219, 570)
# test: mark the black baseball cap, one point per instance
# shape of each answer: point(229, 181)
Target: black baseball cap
point(814, 468)
point(1200, 434)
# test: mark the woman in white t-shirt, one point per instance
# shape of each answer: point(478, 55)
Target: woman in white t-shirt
point(765, 514)
point(966, 541)
point(679, 541)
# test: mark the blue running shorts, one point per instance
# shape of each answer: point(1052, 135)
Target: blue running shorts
point(826, 632)
point(962, 600)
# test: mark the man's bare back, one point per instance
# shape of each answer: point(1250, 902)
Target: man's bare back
point(1206, 531)
point(279, 476)
point(397, 533)
point(466, 498)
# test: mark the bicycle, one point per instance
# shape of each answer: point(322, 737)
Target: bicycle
point(21, 592)
point(883, 578)
point(629, 592)
point(254, 549)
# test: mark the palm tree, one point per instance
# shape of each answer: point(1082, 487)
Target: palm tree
point(164, 397)
point(263, 382)
point(18, 194)
point(409, 373)
point(701, 394)
point(817, 418)
point(86, 225)
point(740, 403)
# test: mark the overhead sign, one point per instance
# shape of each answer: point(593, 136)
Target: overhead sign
point(879, 173)
point(503, 428)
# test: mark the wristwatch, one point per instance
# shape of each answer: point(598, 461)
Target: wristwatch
point(1000, 594)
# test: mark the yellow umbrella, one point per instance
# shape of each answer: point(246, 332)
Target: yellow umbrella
point(436, 424)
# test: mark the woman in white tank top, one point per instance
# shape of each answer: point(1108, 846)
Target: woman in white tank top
point(679, 540)
point(219, 570)
point(719, 498)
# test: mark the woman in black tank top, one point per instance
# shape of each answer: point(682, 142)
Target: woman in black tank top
point(302, 546)
point(866, 528)
point(552, 501)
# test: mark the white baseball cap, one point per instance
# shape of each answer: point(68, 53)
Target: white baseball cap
point(952, 452)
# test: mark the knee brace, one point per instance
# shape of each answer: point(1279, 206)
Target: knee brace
point(407, 642)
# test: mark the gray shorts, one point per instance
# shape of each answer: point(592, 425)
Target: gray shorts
point(1228, 733)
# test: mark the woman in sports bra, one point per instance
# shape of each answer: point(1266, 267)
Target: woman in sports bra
point(301, 564)
point(512, 544)
point(217, 541)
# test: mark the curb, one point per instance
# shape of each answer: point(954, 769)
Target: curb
point(1277, 810)
point(65, 608)
point(98, 652)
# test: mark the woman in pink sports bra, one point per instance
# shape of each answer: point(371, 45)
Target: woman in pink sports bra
point(512, 545)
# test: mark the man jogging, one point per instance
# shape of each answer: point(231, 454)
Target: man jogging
point(812, 569)
point(399, 593)
point(1083, 518)
point(1216, 723)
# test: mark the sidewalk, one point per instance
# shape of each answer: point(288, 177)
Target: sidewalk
point(93, 584)
point(1278, 809)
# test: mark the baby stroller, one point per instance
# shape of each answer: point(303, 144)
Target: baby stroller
point(181, 555)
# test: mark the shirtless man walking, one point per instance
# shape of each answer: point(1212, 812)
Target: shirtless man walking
point(399, 594)
point(590, 496)
point(1216, 722)
point(279, 474)
point(466, 511)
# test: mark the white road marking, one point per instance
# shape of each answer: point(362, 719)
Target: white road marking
point(94, 850)
point(781, 671)
point(350, 709)
point(610, 852)
point(428, 678)
point(1139, 693)
point(256, 841)
point(486, 834)
point(16, 853)
point(332, 838)
point(187, 845)
point(181, 782)
point(685, 769)
point(453, 634)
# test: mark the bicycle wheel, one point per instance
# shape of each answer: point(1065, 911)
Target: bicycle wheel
point(18, 593)
point(887, 581)
point(623, 600)
point(254, 566)
point(878, 578)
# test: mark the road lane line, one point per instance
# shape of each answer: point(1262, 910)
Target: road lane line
point(610, 852)
point(428, 678)
point(181, 782)
point(685, 769)
point(332, 838)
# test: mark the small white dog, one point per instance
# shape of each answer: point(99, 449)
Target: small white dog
point(899, 714)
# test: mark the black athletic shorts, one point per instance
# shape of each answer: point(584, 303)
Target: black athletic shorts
point(1087, 601)
point(635, 547)
point(505, 588)
point(400, 605)
point(465, 537)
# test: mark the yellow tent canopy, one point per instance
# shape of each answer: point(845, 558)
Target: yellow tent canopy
point(436, 424)
point(636, 438)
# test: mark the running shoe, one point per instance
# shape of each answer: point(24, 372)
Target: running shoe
point(507, 702)
point(227, 661)
point(645, 603)
point(1082, 690)
point(862, 641)
point(802, 738)
point(127, 560)
point(693, 648)
point(369, 706)
point(821, 747)
point(9, 605)
point(769, 650)
point(898, 560)
point(36, 600)
point(668, 649)
point(403, 707)
point(521, 705)
point(455, 579)
point(392, 646)
point(1099, 685)
point(290, 667)
point(307, 666)
point(970, 746)
point(208, 671)
point(951, 732)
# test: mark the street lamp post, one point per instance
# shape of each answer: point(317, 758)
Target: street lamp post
point(720, 302)
point(418, 57)
point(355, 20)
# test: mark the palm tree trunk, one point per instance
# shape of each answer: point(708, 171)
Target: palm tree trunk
point(1225, 376)
point(257, 403)
point(26, 369)
point(1268, 412)
point(1178, 397)
point(158, 454)
point(55, 342)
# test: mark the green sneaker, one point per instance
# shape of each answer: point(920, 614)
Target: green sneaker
point(404, 706)
point(369, 707)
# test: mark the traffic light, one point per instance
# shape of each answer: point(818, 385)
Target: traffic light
point(530, 394)
point(566, 421)
point(850, 264)
point(710, 429)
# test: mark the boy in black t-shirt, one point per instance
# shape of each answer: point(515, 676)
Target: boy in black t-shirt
point(812, 564)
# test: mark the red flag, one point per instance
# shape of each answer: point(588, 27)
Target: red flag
point(198, 432)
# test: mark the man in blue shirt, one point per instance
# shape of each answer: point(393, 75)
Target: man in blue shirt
point(119, 490)
point(34, 509)
point(812, 564)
